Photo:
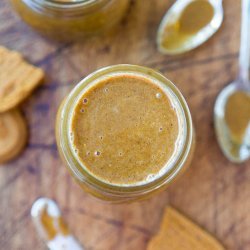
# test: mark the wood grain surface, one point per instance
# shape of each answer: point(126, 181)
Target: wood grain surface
point(213, 192)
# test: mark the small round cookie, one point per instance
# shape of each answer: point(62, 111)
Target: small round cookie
point(13, 134)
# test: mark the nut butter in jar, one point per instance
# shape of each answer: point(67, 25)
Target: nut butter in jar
point(124, 133)
point(69, 20)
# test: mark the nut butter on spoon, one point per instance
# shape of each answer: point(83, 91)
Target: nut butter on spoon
point(51, 227)
point(232, 106)
point(188, 24)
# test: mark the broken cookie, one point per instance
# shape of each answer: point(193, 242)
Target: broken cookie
point(17, 79)
point(179, 233)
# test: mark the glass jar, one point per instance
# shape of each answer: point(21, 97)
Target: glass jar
point(71, 20)
point(111, 192)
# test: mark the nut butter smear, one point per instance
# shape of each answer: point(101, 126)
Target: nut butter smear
point(124, 129)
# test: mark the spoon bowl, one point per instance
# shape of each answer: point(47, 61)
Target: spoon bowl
point(235, 151)
point(186, 42)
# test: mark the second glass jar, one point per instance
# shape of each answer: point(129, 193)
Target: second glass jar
point(71, 20)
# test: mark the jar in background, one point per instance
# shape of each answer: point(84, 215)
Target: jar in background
point(107, 191)
point(69, 20)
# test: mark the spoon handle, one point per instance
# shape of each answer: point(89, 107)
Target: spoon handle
point(51, 227)
point(244, 44)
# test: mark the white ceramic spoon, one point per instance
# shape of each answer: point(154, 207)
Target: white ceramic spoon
point(236, 152)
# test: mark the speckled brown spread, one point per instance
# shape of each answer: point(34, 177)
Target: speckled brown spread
point(124, 129)
point(237, 115)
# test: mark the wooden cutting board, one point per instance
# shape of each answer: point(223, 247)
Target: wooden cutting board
point(213, 192)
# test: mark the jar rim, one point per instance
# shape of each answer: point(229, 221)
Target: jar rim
point(98, 184)
point(69, 3)
point(61, 5)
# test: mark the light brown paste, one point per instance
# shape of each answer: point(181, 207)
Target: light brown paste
point(124, 129)
point(237, 115)
point(53, 226)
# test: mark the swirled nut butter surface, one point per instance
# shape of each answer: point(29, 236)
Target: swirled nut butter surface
point(124, 129)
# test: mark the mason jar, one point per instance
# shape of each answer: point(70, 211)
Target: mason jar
point(69, 20)
point(109, 191)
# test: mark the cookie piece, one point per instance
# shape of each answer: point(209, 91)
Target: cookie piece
point(13, 134)
point(178, 233)
point(17, 79)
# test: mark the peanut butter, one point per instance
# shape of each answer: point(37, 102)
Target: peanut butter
point(124, 129)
